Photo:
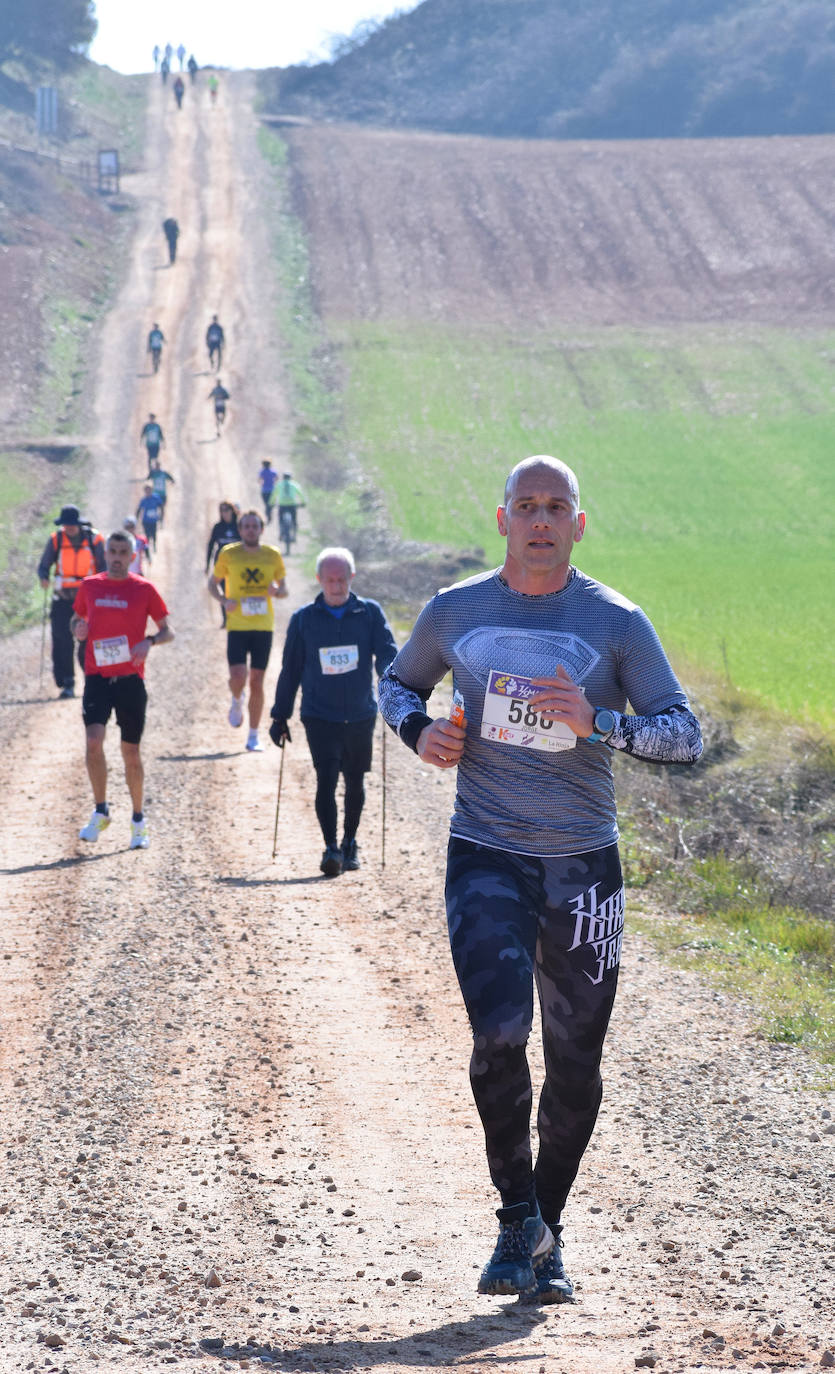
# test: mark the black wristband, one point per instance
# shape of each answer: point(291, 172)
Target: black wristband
point(152, 639)
point(412, 727)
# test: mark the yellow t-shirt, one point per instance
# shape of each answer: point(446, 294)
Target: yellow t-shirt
point(247, 574)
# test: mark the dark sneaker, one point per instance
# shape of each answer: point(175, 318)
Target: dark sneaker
point(523, 1241)
point(331, 864)
point(350, 856)
point(552, 1282)
point(66, 692)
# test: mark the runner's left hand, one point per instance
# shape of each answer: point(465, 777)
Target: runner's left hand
point(561, 699)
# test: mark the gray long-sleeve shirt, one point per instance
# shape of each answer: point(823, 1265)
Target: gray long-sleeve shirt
point(522, 785)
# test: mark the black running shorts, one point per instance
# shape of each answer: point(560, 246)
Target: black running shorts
point(126, 696)
point(254, 644)
point(346, 743)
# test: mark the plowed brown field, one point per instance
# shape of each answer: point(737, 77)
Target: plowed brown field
point(426, 226)
point(236, 1119)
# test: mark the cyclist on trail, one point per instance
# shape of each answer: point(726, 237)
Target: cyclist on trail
point(289, 496)
point(224, 531)
point(544, 661)
point(75, 551)
point(192, 68)
point(152, 437)
point(332, 646)
point(141, 547)
point(245, 578)
point(219, 395)
point(150, 511)
point(215, 340)
point(267, 478)
point(156, 339)
point(171, 230)
point(159, 480)
point(179, 89)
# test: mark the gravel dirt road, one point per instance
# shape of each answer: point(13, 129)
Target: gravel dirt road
point(237, 1124)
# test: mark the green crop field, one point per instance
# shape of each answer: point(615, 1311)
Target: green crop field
point(705, 460)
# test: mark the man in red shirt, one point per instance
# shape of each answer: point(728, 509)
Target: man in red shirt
point(111, 614)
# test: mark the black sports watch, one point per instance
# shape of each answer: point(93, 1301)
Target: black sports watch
point(604, 726)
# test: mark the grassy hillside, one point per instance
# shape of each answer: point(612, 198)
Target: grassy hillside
point(62, 244)
point(566, 69)
point(704, 462)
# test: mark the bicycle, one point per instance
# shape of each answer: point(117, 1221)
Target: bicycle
point(285, 529)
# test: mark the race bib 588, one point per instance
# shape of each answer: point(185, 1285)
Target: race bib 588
point(508, 717)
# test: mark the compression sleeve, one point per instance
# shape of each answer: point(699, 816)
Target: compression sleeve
point(672, 736)
point(402, 707)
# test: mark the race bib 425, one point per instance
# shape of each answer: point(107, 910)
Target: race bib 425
point(508, 717)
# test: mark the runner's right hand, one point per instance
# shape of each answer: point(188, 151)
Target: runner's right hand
point(280, 733)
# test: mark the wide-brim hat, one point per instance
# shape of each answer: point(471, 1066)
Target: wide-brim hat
point(70, 515)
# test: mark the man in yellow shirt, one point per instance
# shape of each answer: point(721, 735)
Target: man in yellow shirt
point(244, 578)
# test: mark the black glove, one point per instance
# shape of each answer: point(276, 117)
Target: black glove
point(279, 732)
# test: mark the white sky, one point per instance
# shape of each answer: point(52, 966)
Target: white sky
point(238, 33)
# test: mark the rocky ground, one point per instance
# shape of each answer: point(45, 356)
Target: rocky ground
point(237, 1121)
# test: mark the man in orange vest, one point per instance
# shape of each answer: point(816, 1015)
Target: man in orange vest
point(76, 551)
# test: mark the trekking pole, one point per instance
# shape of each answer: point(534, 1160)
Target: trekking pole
point(43, 636)
point(278, 799)
point(383, 827)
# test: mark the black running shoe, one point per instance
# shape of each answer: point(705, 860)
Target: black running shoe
point(552, 1282)
point(350, 857)
point(331, 864)
point(523, 1241)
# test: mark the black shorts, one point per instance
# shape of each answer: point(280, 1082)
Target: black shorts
point(253, 643)
point(347, 743)
point(126, 696)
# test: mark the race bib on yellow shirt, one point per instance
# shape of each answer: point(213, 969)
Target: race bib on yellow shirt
point(254, 605)
point(343, 659)
point(109, 651)
point(509, 719)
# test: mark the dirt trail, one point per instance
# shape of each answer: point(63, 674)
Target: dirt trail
point(214, 1062)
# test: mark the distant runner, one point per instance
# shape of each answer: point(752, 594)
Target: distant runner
point(181, 55)
point(224, 531)
point(75, 551)
point(141, 547)
point(152, 437)
point(192, 68)
point(179, 89)
point(213, 84)
point(159, 479)
point(111, 617)
point(150, 511)
point(171, 229)
point(331, 646)
point(214, 342)
point(219, 395)
point(267, 478)
point(156, 339)
point(251, 572)
point(544, 660)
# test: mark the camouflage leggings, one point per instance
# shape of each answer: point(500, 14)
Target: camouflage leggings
point(514, 919)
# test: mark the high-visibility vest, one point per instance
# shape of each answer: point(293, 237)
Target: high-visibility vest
point(73, 565)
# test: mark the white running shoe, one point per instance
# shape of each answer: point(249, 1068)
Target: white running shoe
point(253, 743)
point(139, 837)
point(236, 711)
point(96, 824)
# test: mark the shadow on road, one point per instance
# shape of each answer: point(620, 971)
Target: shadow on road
point(198, 758)
point(457, 1341)
point(72, 862)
